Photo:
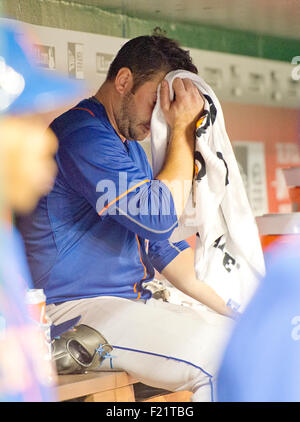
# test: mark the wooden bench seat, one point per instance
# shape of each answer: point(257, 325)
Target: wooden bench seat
point(97, 386)
point(108, 387)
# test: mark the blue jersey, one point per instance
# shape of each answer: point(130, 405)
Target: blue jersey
point(106, 223)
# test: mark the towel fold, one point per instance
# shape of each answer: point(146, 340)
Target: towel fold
point(228, 253)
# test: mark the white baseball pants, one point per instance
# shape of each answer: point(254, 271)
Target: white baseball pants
point(162, 345)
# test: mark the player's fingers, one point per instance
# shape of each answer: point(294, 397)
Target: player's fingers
point(179, 88)
point(188, 84)
point(164, 95)
point(190, 87)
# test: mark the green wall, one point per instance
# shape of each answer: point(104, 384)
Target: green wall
point(67, 15)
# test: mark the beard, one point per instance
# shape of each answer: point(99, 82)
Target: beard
point(126, 120)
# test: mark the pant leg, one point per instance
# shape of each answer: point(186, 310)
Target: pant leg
point(161, 344)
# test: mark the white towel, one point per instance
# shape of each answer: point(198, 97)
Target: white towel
point(228, 252)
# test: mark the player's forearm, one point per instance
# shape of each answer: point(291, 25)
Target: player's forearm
point(180, 272)
point(181, 115)
point(177, 172)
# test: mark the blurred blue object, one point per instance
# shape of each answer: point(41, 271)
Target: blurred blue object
point(25, 88)
point(24, 372)
point(262, 360)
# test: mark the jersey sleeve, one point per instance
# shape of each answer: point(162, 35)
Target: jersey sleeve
point(162, 252)
point(98, 167)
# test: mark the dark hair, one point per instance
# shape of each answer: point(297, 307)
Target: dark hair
point(149, 54)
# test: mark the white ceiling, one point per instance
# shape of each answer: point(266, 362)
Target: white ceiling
point(274, 17)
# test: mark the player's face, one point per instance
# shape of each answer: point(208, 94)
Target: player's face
point(136, 110)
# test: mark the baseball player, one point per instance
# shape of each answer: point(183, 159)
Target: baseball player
point(96, 239)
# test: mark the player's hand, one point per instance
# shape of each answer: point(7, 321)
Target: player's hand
point(185, 109)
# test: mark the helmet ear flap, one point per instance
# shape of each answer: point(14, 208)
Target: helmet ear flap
point(79, 350)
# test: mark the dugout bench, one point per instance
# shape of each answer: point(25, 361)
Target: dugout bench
point(111, 387)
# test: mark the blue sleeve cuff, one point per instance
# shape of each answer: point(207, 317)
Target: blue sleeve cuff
point(161, 253)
